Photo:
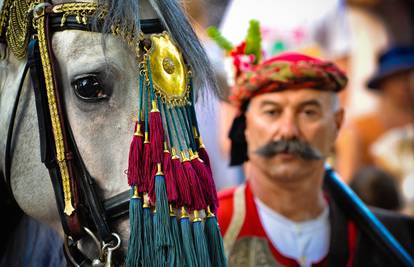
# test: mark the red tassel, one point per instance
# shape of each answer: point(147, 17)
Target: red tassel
point(144, 186)
point(183, 186)
point(135, 158)
point(156, 134)
point(170, 183)
point(206, 180)
point(151, 185)
point(203, 152)
point(199, 202)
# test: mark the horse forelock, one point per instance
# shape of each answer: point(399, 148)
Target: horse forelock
point(175, 21)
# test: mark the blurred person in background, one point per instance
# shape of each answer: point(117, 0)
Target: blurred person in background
point(377, 188)
point(385, 136)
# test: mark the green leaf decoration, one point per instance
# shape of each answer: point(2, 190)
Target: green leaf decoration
point(253, 41)
point(216, 36)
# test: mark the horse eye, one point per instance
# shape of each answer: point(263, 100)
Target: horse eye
point(89, 89)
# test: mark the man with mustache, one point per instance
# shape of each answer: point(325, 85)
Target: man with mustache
point(289, 118)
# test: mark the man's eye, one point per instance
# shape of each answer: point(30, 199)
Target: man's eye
point(311, 113)
point(90, 89)
point(271, 112)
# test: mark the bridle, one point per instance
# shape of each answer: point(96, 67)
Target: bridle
point(82, 212)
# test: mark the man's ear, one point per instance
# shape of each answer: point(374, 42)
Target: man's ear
point(339, 119)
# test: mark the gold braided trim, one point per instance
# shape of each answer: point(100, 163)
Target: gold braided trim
point(75, 7)
point(56, 125)
point(237, 219)
point(81, 10)
point(4, 17)
point(17, 29)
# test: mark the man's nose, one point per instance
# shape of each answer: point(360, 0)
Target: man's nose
point(287, 127)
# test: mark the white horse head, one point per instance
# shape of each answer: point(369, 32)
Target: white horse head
point(102, 129)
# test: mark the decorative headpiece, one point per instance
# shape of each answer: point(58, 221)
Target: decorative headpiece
point(285, 71)
point(169, 169)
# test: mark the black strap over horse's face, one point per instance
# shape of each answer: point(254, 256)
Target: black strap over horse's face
point(81, 211)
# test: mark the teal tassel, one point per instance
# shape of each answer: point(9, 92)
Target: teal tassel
point(162, 238)
point(135, 249)
point(200, 243)
point(187, 238)
point(160, 253)
point(148, 243)
point(176, 255)
point(214, 241)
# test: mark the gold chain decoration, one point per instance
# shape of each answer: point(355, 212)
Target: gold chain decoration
point(56, 123)
point(131, 37)
point(81, 10)
point(4, 17)
point(18, 25)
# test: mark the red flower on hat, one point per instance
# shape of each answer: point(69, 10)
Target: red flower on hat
point(241, 61)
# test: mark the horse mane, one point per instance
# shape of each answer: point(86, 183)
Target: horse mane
point(126, 13)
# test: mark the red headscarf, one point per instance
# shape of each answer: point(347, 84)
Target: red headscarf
point(287, 71)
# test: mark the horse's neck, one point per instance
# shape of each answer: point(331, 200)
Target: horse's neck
point(11, 72)
point(29, 178)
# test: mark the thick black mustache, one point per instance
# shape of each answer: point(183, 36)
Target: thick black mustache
point(293, 146)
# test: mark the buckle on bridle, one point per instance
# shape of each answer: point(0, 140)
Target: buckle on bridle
point(39, 9)
point(104, 249)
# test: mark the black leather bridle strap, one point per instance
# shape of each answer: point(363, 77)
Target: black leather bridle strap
point(47, 154)
point(148, 26)
point(80, 181)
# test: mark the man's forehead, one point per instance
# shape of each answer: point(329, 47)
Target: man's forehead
point(294, 96)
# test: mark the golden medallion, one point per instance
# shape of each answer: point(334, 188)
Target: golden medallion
point(169, 72)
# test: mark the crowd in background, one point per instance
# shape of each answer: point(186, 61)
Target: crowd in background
point(373, 41)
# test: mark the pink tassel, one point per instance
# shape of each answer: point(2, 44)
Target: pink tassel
point(183, 187)
point(135, 157)
point(207, 182)
point(156, 134)
point(199, 202)
point(143, 187)
point(170, 183)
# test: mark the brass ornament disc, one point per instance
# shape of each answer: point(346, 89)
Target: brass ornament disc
point(169, 72)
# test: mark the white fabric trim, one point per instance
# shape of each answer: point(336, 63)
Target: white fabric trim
point(307, 242)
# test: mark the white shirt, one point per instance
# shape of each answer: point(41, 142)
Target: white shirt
point(306, 242)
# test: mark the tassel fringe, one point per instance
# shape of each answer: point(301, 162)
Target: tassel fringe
point(169, 169)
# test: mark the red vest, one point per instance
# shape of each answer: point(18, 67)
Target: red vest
point(239, 221)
